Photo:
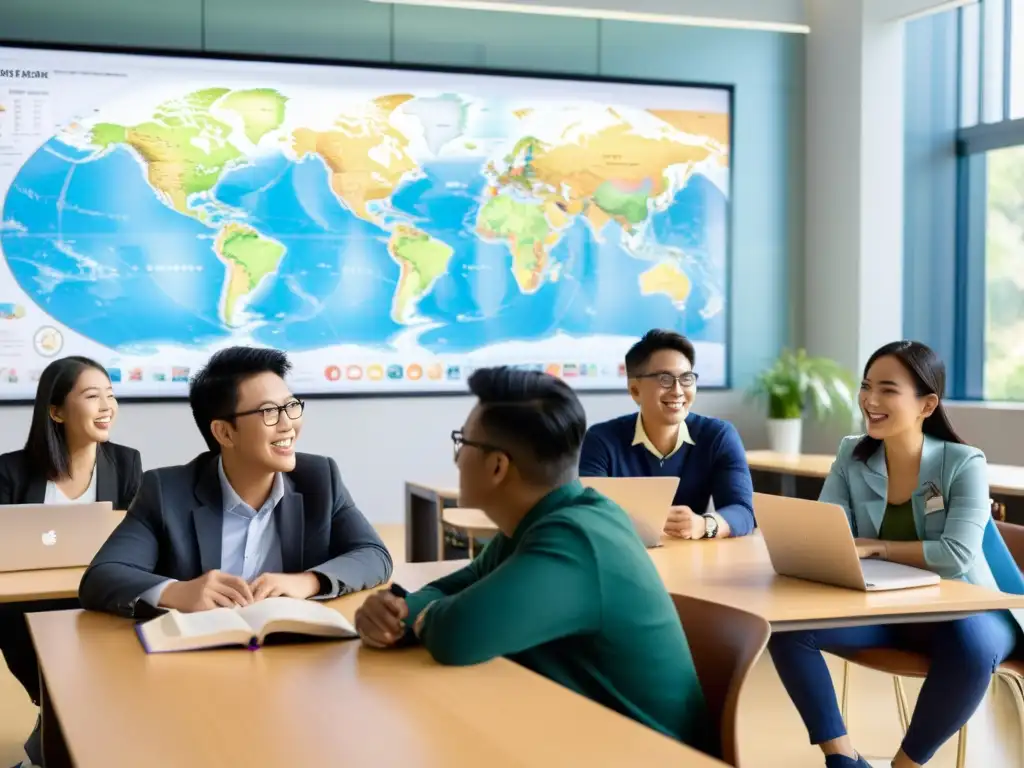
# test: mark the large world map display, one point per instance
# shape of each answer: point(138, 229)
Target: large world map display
point(476, 224)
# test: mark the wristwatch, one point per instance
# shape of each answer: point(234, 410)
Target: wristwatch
point(710, 526)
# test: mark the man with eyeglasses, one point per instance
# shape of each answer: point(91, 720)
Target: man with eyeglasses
point(667, 439)
point(247, 520)
point(566, 587)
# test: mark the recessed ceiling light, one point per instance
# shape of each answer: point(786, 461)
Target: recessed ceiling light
point(605, 13)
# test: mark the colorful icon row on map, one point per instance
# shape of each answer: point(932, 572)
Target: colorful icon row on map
point(439, 372)
point(176, 374)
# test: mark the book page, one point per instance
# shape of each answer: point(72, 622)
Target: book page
point(175, 631)
point(294, 613)
point(204, 623)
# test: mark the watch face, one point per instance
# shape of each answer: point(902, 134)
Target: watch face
point(712, 527)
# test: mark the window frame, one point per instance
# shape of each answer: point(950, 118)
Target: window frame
point(973, 143)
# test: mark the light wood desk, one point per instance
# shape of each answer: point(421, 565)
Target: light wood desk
point(62, 583)
point(737, 572)
point(106, 704)
point(49, 584)
point(1003, 479)
point(424, 502)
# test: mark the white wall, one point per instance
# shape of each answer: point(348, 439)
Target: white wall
point(996, 428)
point(378, 443)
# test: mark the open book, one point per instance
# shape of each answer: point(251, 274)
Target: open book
point(249, 626)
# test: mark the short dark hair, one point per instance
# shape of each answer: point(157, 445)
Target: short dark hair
point(213, 391)
point(653, 341)
point(536, 417)
point(929, 374)
point(47, 444)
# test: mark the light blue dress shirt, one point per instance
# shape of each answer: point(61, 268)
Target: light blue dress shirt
point(250, 544)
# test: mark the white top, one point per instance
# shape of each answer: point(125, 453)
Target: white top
point(54, 495)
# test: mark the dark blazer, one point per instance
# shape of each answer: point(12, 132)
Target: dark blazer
point(118, 477)
point(174, 527)
point(714, 467)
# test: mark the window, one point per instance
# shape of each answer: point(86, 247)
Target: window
point(1004, 275)
point(1017, 59)
point(989, 357)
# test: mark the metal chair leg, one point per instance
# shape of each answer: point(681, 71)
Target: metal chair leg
point(961, 748)
point(844, 705)
point(901, 703)
point(1016, 686)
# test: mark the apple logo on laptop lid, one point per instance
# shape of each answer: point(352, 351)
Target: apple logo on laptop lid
point(49, 538)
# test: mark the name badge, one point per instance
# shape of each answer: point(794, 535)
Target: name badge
point(934, 504)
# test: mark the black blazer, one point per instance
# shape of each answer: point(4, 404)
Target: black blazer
point(118, 477)
point(174, 527)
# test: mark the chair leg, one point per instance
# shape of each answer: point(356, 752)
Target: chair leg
point(1016, 685)
point(844, 705)
point(961, 748)
point(469, 542)
point(901, 703)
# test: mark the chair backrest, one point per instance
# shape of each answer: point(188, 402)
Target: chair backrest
point(1013, 535)
point(726, 643)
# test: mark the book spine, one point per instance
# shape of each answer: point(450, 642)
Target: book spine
point(142, 638)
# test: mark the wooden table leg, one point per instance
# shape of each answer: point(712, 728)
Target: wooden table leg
point(787, 485)
point(55, 749)
point(422, 525)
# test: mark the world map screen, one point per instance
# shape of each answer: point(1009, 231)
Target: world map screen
point(392, 229)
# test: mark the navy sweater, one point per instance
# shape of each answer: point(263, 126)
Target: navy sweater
point(715, 467)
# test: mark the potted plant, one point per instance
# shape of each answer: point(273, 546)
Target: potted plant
point(795, 382)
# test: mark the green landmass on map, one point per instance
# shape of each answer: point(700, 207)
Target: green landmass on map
point(423, 259)
point(261, 110)
point(617, 202)
point(249, 257)
point(185, 149)
point(527, 232)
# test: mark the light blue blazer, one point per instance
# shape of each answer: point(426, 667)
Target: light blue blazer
point(959, 537)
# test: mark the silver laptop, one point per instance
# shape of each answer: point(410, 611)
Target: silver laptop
point(812, 540)
point(645, 499)
point(36, 536)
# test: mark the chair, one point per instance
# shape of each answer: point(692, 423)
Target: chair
point(1013, 535)
point(902, 664)
point(470, 522)
point(725, 643)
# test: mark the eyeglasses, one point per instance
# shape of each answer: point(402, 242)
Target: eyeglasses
point(458, 441)
point(668, 380)
point(272, 413)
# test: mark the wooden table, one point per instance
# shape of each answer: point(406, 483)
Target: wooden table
point(424, 502)
point(106, 704)
point(737, 572)
point(1003, 479)
point(32, 586)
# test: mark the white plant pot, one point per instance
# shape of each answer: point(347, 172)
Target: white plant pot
point(785, 436)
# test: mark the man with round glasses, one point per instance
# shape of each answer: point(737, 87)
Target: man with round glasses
point(248, 519)
point(667, 439)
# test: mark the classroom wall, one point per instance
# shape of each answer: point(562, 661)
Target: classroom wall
point(381, 442)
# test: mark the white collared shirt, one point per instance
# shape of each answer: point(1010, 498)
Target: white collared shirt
point(640, 438)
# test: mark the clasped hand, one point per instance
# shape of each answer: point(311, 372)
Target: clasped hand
point(216, 589)
point(379, 620)
point(684, 523)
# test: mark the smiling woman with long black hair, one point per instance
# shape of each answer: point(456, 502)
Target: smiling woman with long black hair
point(67, 459)
point(916, 494)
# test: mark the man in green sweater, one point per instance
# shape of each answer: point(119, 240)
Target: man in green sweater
point(566, 588)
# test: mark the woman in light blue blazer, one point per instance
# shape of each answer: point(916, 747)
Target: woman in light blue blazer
point(914, 494)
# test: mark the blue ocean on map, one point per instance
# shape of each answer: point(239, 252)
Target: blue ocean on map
point(90, 242)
